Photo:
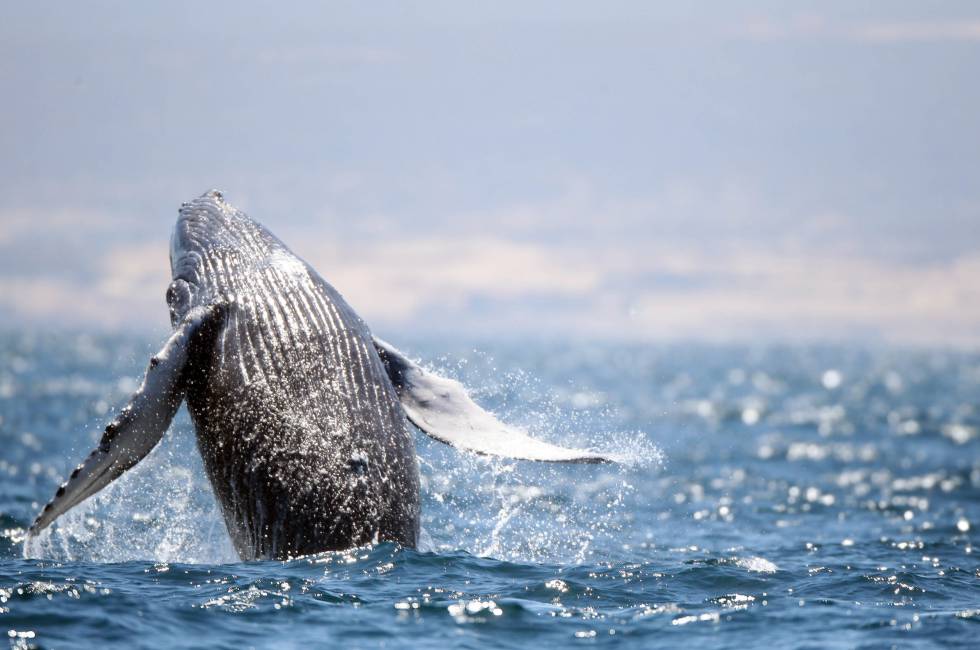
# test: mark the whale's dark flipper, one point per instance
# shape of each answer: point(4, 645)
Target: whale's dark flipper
point(441, 408)
point(139, 426)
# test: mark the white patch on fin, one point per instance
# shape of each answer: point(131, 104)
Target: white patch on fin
point(441, 408)
point(138, 427)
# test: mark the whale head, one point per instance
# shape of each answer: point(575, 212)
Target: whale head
point(216, 253)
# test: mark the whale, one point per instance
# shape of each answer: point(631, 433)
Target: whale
point(303, 418)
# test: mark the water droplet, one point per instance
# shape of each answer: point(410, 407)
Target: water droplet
point(831, 379)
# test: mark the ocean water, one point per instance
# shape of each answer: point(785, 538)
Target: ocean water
point(794, 496)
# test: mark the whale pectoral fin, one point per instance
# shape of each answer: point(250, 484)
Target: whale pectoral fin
point(138, 427)
point(441, 408)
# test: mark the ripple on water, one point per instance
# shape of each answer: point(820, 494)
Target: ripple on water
point(820, 496)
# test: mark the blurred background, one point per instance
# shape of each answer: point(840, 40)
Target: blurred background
point(730, 172)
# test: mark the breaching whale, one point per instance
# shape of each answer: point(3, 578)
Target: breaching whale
point(300, 413)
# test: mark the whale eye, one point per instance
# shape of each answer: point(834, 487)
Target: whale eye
point(179, 299)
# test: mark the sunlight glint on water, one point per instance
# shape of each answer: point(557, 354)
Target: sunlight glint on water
point(823, 495)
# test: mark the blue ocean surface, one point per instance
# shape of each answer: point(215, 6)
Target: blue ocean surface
point(821, 496)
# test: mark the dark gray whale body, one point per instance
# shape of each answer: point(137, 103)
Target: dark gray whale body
point(300, 413)
point(290, 357)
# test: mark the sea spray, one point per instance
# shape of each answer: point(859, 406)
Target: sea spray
point(163, 510)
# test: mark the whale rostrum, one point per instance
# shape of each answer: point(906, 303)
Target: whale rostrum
point(299, 412)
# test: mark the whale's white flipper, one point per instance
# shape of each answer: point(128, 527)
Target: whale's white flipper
point(441, 408)
point(138, 427)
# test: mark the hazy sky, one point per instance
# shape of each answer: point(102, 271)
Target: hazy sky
point(743, 171)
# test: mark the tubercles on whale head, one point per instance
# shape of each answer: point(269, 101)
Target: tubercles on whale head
point(204, 226)
point(213, 251)
point(197, 221)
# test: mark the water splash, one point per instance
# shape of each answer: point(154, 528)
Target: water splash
point(163, 510)
point(523, 511)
